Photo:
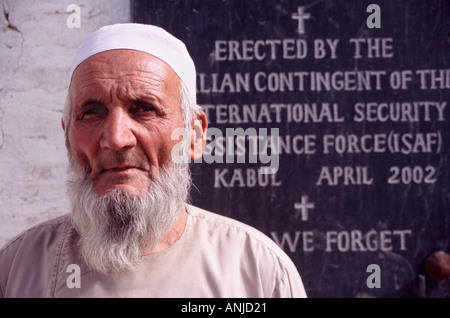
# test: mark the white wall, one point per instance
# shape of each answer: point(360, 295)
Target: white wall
point(36, 48)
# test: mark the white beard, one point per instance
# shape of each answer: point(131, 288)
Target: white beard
point(114, 230)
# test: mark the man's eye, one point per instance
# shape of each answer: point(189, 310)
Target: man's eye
point(92, 112)
point(144, 108)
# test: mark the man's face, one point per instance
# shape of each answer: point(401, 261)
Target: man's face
point(125, 106)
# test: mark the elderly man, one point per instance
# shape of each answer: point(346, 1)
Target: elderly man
point(130, 232)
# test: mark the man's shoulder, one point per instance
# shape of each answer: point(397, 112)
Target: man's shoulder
point(215, 218)
point(252, 249)
point(39, 232)
point(225, 224)
point(29, 262)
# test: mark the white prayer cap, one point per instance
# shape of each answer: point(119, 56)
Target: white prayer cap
point(141, 37)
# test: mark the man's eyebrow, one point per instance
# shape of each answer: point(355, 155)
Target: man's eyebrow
point(142, 97)
point(90, 102)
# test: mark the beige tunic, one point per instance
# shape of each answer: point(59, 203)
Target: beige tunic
point(215, 257)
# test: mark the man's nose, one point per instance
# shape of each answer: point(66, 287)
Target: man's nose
point(117, 131)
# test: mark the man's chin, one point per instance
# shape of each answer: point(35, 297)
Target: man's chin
point(131, 181)
point(126, 189)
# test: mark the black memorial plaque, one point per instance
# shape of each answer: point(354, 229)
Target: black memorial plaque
point(353, 99)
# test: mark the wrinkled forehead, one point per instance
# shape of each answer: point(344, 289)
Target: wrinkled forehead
point(127, 74)
point(123, 65)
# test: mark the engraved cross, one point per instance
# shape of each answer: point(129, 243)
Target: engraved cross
point(301, 16)
point(304, 206)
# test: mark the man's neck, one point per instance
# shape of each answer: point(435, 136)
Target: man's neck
point(172, 236)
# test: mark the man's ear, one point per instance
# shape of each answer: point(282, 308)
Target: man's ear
point(198, 135)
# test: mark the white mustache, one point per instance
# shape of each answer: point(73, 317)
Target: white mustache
point(120, 160)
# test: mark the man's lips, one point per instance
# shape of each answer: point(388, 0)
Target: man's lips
point(120, 168)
